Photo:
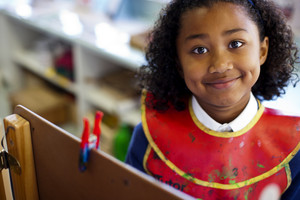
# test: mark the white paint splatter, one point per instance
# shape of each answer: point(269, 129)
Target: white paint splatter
point(259, 143)
point(242, 144)
point(270, 192)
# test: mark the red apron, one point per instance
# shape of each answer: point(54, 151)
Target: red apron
point(212, 165)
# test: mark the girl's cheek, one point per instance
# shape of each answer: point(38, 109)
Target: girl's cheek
point(194, 71)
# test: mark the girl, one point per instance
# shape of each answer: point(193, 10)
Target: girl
point(203, 130)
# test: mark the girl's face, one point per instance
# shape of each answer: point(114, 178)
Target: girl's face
point(220, 55)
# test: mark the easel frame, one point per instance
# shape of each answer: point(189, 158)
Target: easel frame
point(57, 176)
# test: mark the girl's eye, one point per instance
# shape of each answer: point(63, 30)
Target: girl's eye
point(200, 50)
point(235, 44)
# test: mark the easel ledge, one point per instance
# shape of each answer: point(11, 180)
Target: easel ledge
point(49, 158)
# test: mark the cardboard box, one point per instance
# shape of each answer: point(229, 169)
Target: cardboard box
point(43, 101)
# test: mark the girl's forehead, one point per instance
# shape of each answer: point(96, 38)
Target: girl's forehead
point(219, 14)
point(218, 7)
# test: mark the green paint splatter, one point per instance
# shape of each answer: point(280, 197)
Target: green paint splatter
point(234, 183)
point(261, 166)
point(217, 172)
point(192, 137)
point(211, 178)
point(188, 176)
point(185, 175)
point(247, 193)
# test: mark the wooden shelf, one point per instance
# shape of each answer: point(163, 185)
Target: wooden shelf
point(29, 62)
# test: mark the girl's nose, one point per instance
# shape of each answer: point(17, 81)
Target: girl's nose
point(220, 63)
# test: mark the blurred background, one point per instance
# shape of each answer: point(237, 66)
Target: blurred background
point(66, 59)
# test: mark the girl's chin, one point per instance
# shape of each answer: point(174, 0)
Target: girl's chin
point(223, 102)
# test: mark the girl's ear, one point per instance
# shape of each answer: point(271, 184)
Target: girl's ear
point(264, 48)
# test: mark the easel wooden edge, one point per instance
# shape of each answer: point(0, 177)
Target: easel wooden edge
point(19, 145)
point(128, 181)
point(3, 181)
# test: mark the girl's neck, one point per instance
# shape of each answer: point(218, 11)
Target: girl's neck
point(224, 114)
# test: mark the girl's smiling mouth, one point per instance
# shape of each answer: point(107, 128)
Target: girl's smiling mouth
point(223, 83)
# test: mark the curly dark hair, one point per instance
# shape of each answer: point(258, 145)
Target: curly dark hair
point(160, 76)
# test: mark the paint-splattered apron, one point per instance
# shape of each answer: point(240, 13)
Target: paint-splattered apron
point(213, 165)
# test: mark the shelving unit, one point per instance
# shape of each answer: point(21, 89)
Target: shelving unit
point(94, 56)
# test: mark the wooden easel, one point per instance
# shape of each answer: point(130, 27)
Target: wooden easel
point(49, 157)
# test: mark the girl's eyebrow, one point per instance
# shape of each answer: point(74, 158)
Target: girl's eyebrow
point(196, 36)
point(229, 32)
point(205, 35)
